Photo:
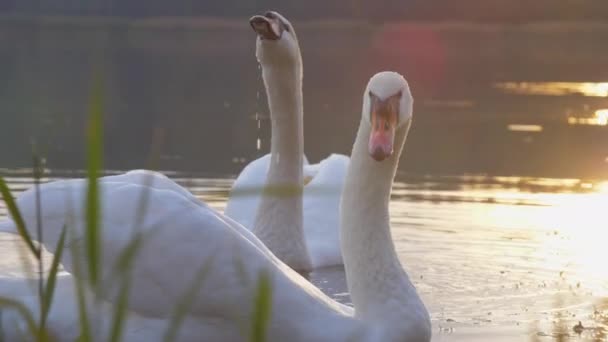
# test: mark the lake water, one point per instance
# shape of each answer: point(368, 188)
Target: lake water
point(494, 99)
point(494, 258)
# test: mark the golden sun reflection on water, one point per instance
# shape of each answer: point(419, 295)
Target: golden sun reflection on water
point(578, 247)
point(591, 89)
point(599, 119)
point(602, 187)
point(596, 89)
point(564, 240)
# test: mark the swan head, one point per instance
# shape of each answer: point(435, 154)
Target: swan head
point(387, 107)
point(276, 42)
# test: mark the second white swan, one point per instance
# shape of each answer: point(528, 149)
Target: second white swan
point(314, 242)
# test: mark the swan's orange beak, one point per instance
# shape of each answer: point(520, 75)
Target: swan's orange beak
point(384, 120)
point(267, 26)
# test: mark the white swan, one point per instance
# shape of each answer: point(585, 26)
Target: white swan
point(315, 242)
point(244, 198)
point(63, 319)
point(63, 322)
point(182, 237)
point(323, 183)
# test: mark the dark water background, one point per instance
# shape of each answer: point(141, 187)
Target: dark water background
point(192, 87)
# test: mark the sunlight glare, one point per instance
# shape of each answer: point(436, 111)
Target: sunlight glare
point(599, 119)
point(599, 89)
point(579, 249)
point(602, 187)
point(525, 128)
point(595, 89)
point(569, 230)
point(602, 116)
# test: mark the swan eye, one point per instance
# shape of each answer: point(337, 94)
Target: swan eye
point(399, 94)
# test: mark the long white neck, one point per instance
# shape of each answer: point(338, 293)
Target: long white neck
point(380, 289)
point(278, 221)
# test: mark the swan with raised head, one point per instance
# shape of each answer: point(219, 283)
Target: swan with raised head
point(181, 237)
point(301, 229)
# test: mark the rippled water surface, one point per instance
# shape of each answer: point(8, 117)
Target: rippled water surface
point(508, 259)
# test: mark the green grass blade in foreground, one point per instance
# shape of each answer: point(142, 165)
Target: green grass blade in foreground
point(120, 312)
point(94, 165)
point(25, 313)
point(185, 303)
point(261, 308)
point(123, 266)
point(49, 290)
point(39, 235)
point(92, 236)
point(83, 314)
point(125, 260)
point(17, 218)
point(75, 248)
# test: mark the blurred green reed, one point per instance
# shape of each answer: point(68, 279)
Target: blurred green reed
point(261, 308)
